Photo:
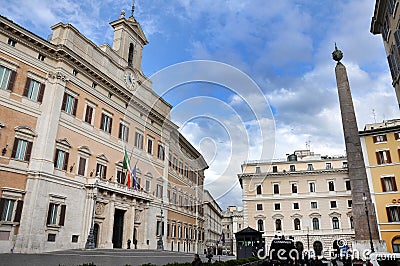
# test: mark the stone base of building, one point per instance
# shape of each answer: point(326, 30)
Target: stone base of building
point(362, 248)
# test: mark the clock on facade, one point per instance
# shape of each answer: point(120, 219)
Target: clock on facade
point(129, 78)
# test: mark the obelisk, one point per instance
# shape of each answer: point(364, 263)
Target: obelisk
point(358, 177)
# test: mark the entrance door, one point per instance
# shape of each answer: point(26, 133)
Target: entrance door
point(118, 228)
point(96, 234)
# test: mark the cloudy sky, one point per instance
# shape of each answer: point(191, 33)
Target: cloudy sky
point(270, 87)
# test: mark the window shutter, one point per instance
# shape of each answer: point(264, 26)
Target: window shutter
point(26, 89)
point(374, 138)
point(394, 183)
point(18, 211)
point(41, 93)
point(64, 102)
point(388, 158)
point(389, 214)
point(383, 185)
point(56, 158)
point(104, 174)
point(28, 151)
point(102, 121)
point(109, 129)
point(2, 202)
point(120, 131)
point(75, 105)
point(81, 170)
point(11, 81)
point(14, 149)
point(127, 134)
point(65, 163)
point(49, 212)
point(378, 158)
point(62, 215)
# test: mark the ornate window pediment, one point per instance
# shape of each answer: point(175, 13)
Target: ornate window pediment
point(85, 149)
point(260, 216)
point(315, 215)
point(25, 131)
point(64, 142)
point(102, 157)
point(334, 214)
point(277, 216)
point(297, 215)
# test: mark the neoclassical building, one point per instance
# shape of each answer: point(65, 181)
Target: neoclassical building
point(305, 196)
point(212, 224)
point(232, 222)
point(68, 111)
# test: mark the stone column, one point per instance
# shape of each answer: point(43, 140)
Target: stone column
point(47, 124)
point(110, 227)
point(356, 166)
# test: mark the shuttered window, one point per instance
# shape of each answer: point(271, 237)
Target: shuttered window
point(34, 90)
point(21, 150)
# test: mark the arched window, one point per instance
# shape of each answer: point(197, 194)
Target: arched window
point(297, 224)
point(130, 55)
point(260, 224)
point(335, 223)
point(351, 222)
point(278, 225)
point(396, 244)
point(259, 192)
point(315, 224)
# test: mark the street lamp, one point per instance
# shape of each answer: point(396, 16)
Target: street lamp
point(90, 243)
point(160, 244)
point(369, 227)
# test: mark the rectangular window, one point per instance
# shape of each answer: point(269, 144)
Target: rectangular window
point(379, 138)
point(7, 78)
point(123, 133)
point(391, 4)
point(82, 166)
point(296, 206)
point(150, 145)
point(69, 104)
point(310, 167)
point(34, 90)
point(277, 206)
point(388, 183)
point(21, 150)
point(397, 136)
point(7, 205)
point(106, 123)
point(11, 42)
point(393, 213)
point(41, 57)
point(259, 189)
point(331, 185)
point(294, 187)
point(258, 170)
point(328, 165)
point(333, 204)
point(348, 185)
point(292, 168)
point(344, 165)
point(147, 185)
point(349, 203)
point(121, 177)
point(311, 186)
point(274, 169)
point(276, 188)
point(159, 191)
point(259, 207)
point(383, 157)
point(61, 160)
point(314, 205)
point(139, 140)
point(89, 114)
point(51, 238)
point(56, 214)
point(101, 170)
point(160, 152)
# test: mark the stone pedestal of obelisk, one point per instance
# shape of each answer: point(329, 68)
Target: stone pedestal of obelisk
point(365, 227)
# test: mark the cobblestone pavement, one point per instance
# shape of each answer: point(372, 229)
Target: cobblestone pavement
point(101, 257)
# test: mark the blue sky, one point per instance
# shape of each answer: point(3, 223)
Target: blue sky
point(284, 46)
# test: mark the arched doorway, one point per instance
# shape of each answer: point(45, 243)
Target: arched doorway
point(96, 234)
point(318, 248)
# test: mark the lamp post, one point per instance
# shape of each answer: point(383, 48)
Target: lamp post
point(369, 227)
point(160, 244)
point(90, 243)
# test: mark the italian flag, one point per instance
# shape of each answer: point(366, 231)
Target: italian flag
point(127, 167)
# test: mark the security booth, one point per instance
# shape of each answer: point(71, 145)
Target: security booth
point(248, 243)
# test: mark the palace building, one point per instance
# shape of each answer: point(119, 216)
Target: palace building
point(305, 196)
point(69, 110)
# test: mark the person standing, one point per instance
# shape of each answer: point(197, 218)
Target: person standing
point(196, 261)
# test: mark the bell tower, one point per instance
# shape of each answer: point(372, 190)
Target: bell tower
point(129, 40)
